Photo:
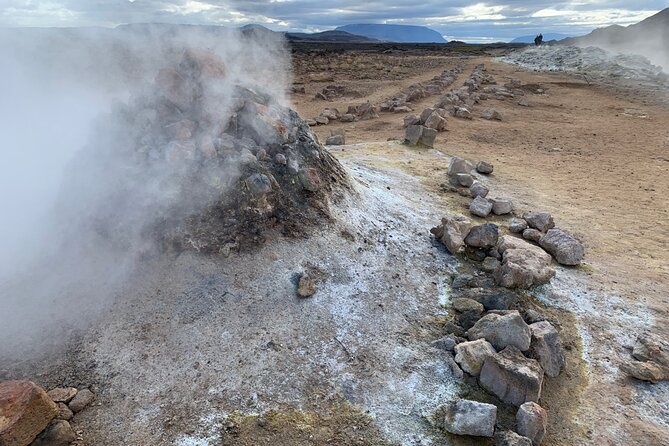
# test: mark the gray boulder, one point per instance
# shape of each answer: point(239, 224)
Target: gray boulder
point(543, 221)
point(335, 140)
point(490, 264)
point(566, 249)
point(533, 235)
point(425, 115)
point(410, 120)
point(412, 134)
point(491, 114)
point(510, 438)
point(464, 179)
point(480, 207)
point(523, 264)
point(464, 417)
point(347, 117)
point(427, 137)
point(447, 342)
point(484, 168)
point(471, 355)
point(435, 122)
point(517, 225)
point(483, 236)
point(477, 189)
point(546, 347)
point(652, 359)
point(502, 330)
point(463, 113)
point(501, 206)
point(531, 422)
point(459, 165)
point(452, 232)
point(499, 301)
point(512, 377)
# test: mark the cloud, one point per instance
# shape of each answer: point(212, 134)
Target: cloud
point(472, 20)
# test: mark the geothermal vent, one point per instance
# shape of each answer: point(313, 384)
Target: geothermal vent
point(229, 162)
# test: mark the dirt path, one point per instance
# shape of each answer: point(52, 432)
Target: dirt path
point(599, 162)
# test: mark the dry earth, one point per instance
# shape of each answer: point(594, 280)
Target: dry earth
point(597, 157)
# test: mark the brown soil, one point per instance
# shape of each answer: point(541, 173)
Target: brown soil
point(596, 157)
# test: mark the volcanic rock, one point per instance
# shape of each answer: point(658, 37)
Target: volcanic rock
point(502, 330)
point(447, 342)
point(464, 417)
point(480, 207)
point(306, 287)
point(412, 134)
point(546, 347)
point(512, 377)
point(652, 354)
point(543, 221)
point(62, 394)
point(484, 168)
point(566, 249)
point(25, 410)
point(335, 140)
point(58, 433)
point(523, 264)
point(471, 355)
point(425, 115)
point(501, 206)
point(491, 114)
point(459, 165)
point(490, 264)
point(533, 235)
point(517, 225)
point(531, 422)
point(483, 236)
point(461, 112)
point(83, 398)
point(411, 120)
point(464, 179)
point(347, 117)
point(435, 122)
point(427, 137)
point(452, 232)
point(499, 301)
point(510, 438)
point(64, 412)
point(478, 190)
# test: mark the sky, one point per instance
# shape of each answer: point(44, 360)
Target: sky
point(467, 20)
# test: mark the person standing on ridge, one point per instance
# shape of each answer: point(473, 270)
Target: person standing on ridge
point(538, 39)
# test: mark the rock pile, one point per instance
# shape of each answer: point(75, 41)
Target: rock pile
point(420, 91)
point(651, 359)
point(332, 92)
point(460, 102)
point(31, 416)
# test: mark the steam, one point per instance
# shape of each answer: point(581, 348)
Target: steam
point(88, 169)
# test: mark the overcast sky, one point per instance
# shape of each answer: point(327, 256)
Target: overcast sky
point(473, 21)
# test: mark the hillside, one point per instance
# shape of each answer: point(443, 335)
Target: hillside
point(547, 37)
point(327, 36)
point(395, 33)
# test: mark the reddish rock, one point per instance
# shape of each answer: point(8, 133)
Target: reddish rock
point(62, 394)
point(64, 412)
point(25, 410)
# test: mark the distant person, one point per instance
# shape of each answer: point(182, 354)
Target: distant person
point(538, 39)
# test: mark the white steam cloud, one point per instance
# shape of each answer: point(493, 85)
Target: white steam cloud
point(87, 167)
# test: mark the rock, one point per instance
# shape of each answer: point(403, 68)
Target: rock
point(453, 328)
point(64, 412)
point(471, 355)
point(259, 184)
point(464, 417)
point(483, 236)
point(455, 368)
point(306, 287)
point(512, 377)
point(644, 371)
point(533, 235)
point(523, 103)
point(502, 330)
point(501, 206)
point(59, 433)
point(311, 122)
point(494, 253)
point(566, 249)
point(491, 114)
point(412, 134)
point(517, 225)
point(347, 117)
point(480, 207)
point(280, 158)
point(543, 221)
point(463, 304)
point(464, 179)
point(484, 168)
point(425, 115)
point(321, 120)
point(652, 353)
point(461, 281)
point(402, 109)
point(310, 179)
point(435, 122)
point(478, 189)
point(475, 254)
point(510, 438)
point(331, 113)
point(459, 165)
point(447, 342)
point(411, 120)
point(463, 113)
point(531, 422)
point(25, 410)
point(523, 265)
point(499, 301)
point(453, 232)
point(490, 264)
point(427, 137)
point(84, 398)
point(62, 394)
point(546, 347)
point(335, 140)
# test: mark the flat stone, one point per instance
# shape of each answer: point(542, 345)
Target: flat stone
point(523, 265)
point(546, 347)
point(463, 304)
point(471, 355)
point(477, 189)
point(502, 330)
point(464, 179)
point(25, 410)
point(83, 398)
point(464, 417)
point(512, 377)
point(543, 221)
point(62, 394)
point(483, 236)
point(335, 140)
point(502, 206)
point(563, 246)
point(531, 422)
point(491, 114)
point(484, 168)
point(480, 207)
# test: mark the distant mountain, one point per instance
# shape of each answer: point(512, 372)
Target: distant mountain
point(395, 33)
point(648, 38)
point(547, 37)
point(327, 36)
